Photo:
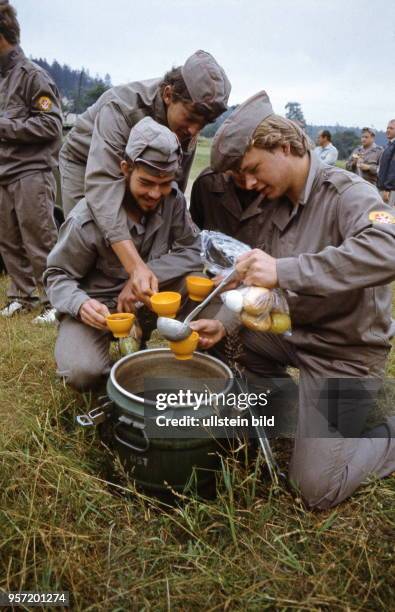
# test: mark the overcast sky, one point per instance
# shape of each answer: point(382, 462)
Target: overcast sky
point(335, 57)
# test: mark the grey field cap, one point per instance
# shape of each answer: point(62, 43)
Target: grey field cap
point(154, 145)
point(235, 134)
point(206, 81)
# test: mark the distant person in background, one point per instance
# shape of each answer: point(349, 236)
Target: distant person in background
point(221, 202)
point(325, 151)
point(364, 160)
point(386, 176)
point(30, 139)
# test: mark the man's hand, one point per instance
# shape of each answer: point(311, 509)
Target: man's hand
point(210, 331)
point(257, 268)
point(143, 283)
point(363, 166)
point(94, 313)
point(233, 284)
point(126, 299)
point(386, 196)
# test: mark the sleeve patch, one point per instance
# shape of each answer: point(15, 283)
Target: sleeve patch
point(44, 104)
point(381, 216)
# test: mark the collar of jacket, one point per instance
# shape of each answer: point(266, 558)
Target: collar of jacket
point(223, 183)
point(285, 210)
point(9, 60)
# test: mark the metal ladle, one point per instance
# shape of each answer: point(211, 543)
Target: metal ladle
point(174, 330)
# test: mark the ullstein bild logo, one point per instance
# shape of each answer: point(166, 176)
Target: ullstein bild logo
point(214, 421)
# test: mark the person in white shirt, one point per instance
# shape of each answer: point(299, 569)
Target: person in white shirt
point(325, 150)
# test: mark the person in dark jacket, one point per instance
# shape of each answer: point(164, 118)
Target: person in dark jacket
point(386, 178)
point(220, 202)
point(30, 139)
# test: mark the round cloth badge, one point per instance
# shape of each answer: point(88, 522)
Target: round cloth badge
point(381, 216)
point(44, 104)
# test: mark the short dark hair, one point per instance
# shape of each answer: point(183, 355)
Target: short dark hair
point(369, 131)
point(9, 26)
point(326, 134)
point(180, 93)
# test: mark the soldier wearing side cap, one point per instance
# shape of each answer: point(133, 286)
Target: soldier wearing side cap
point(184, 100)
point(30, 138)
point(85, 279)
point(328, 243)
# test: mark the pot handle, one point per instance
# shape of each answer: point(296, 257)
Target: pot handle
point(139, 449)
point(95, 416)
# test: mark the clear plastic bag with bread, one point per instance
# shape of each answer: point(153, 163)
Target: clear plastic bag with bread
point(260, 309)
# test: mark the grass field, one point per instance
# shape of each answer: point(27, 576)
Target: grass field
point(64, 526)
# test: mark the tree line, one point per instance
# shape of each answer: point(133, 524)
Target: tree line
point(77, 87)
point(79, 90)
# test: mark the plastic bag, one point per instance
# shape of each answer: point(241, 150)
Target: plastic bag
point(220, 252)
point(260, 309)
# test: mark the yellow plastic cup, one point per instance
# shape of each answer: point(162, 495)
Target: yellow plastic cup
point(184, 349)
point(199, 287)
point(120, 323)
point(166, 303)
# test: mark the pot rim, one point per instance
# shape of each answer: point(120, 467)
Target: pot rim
point(140, 400)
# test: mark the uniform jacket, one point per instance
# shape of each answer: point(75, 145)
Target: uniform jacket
point(83, 266)
point(335, 256)
point(98, 141)
point(30, 118)
point(370, 156)
point(336, 253)
point(386, 177)
point(215, 205)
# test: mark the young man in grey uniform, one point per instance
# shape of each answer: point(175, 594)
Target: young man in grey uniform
point(185, 100)
point(329, 243)
point(85, 279)
point(30, 137)
point(364, 160)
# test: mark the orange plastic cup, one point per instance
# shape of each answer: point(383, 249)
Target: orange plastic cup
point(166, 303)
point(184, 349)
point(199, 287)
point(120, 323)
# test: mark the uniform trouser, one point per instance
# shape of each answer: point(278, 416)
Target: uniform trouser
point(72, 182)
point(82, 352)
point(327, 467)
point(27, 233)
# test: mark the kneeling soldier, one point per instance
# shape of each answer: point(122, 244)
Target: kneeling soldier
point(84, 278)
point(329, 243)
